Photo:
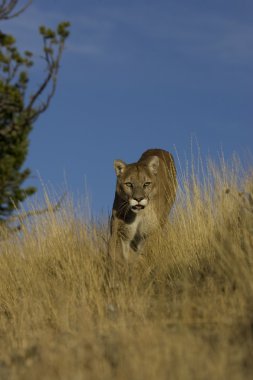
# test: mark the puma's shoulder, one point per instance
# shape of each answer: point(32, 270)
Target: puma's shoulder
point(164, 157)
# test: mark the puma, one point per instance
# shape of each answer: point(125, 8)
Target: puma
point(145, 193)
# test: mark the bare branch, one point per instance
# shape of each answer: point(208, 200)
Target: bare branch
point(53, 68)
point(27, 214)
point(8, 6)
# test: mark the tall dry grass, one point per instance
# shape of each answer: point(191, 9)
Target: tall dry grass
point(183, 310)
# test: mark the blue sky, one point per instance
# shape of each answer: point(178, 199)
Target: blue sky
point(137, 75)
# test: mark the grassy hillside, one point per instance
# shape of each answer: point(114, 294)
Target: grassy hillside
point(183, 310)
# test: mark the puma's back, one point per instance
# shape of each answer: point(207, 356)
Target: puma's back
point(165, 180)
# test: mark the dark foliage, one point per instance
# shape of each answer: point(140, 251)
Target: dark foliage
point(19, 108)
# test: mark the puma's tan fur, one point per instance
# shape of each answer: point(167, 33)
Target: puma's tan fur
point(145, 193)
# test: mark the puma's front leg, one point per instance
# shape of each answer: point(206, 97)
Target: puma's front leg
point(125, 249)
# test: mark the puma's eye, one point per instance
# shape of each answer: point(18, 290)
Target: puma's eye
point(146, 184)
point(128, 184)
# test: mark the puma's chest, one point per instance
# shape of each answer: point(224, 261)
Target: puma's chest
point(145, 222)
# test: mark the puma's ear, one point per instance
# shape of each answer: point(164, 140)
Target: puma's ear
point(153, 164)
point(119, 167)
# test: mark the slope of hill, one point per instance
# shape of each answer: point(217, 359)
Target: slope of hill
point(183, 310)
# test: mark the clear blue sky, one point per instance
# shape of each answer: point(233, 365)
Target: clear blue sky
point(135, 75)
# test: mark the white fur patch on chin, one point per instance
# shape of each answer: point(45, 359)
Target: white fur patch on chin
point(138, 206)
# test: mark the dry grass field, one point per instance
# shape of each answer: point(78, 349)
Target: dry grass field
point(183, 310)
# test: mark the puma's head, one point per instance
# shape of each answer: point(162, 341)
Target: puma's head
point(137, 183)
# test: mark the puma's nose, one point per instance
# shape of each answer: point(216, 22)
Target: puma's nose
point(138, 199)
